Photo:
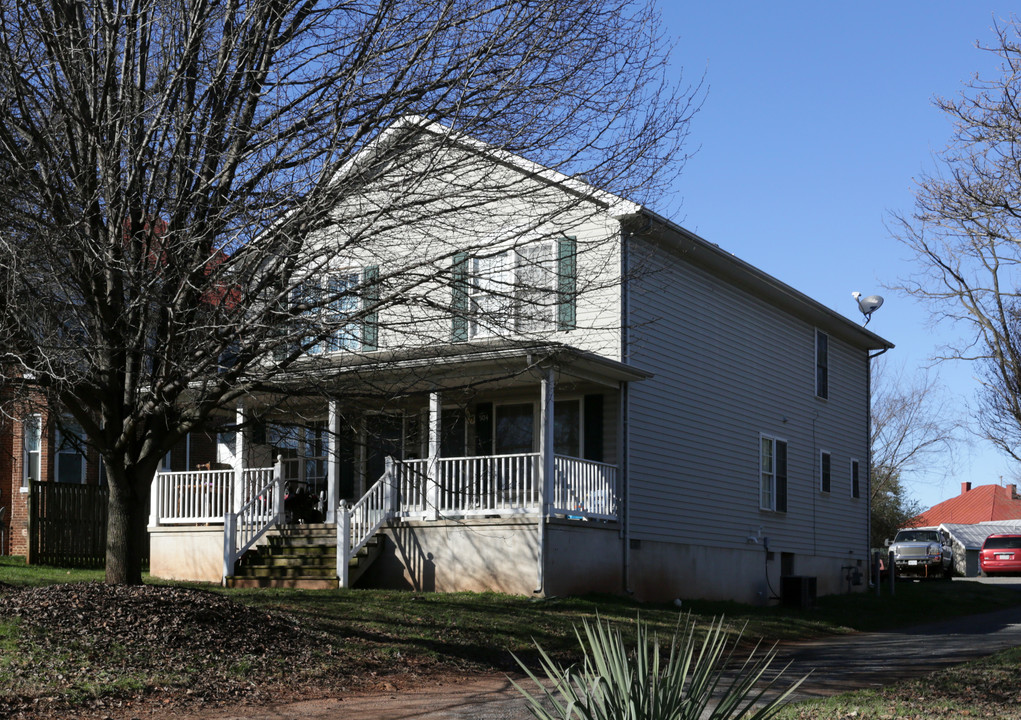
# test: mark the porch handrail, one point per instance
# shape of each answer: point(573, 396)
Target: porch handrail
point(362, 520)
point(584, 489)
point(263, 509)
point(200, 497)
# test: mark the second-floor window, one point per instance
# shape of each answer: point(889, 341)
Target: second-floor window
point(333, 303)
point(528, 289)
point(822, 364)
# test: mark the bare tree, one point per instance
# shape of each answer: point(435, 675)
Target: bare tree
point(177, 168)
point(965, 232)
point(915, 433)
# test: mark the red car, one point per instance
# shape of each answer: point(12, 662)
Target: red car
point(1000, 554)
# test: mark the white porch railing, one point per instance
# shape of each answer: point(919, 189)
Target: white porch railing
point(584, 489)
point(467, 486)
point(357, 525)
point(197, 497)
point(260, 512)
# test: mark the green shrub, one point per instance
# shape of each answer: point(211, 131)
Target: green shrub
point(711, 678)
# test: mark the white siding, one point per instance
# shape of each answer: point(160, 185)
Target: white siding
point(729, 366)
point(461, 204)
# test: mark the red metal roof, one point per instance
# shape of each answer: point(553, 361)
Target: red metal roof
point(974, 505)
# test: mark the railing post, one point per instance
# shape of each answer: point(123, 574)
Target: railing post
point(390, 494)
point(432, 498)
point(154, 500)
point(230, 531)
point(343, 544)
point(278, 491)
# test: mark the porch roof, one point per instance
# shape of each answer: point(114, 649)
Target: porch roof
point(485, 363)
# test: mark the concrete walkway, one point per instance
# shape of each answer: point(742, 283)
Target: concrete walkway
point(838, 664)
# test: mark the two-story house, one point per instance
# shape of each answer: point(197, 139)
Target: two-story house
point(556, 391)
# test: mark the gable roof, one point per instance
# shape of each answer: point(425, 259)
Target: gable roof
point(985, 503)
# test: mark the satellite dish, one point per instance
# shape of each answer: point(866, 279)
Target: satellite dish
point(868, 305)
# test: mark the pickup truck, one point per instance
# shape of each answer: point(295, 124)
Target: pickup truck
point(922, 553)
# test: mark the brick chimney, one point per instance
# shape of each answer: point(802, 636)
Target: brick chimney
point(1013, 493)
point(965, 487)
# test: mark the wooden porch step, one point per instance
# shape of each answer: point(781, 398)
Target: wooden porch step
point(300, 556)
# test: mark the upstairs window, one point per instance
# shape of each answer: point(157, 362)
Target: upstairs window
point(822, 364)
point(327, 304)
point(855, 479)
point(772, 474)
point(528, 289)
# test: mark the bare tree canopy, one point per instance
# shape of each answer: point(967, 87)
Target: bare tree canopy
point(165, 163)
point(966, 234)
point(914, 435)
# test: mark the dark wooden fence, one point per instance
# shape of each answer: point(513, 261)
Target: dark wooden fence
point(67, 525)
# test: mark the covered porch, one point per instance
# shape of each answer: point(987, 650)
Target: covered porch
point(529, 440)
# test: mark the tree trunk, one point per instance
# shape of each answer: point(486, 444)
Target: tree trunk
point(126, 531)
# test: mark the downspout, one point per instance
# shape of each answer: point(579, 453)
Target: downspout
point(868, 445)
point(624, 426)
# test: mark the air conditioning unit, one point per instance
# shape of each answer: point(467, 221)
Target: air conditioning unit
point(797, 591)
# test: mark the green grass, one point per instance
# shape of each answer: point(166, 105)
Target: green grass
point(14, 572)
point(373, 633)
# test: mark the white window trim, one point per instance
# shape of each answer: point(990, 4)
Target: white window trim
point(762, 473)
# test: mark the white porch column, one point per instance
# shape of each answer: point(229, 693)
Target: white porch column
point(546, 440)
point(332, 462)
point(435, 428)
point(546, 469)
point(239, 458)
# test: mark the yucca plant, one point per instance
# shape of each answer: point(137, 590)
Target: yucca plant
point(701, 679)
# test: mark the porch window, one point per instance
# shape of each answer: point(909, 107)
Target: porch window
point(772, 474)
point(32, 441)
point(70, 461)
point(567, 427)
point(514, 429)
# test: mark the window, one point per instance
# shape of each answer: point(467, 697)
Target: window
point(488, 293)
point(772, 474)
point(514, 429)
point(70, 461)
point(822, 364)
point(32, 441)
point(824, 472)
point(532, 288)
point(855, 479)
point(324, 306)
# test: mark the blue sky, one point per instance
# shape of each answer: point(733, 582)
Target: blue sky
point(817, 118)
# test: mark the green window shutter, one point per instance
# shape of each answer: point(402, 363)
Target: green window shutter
point(459, 297)
point(567, 283)
point(370, 299)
